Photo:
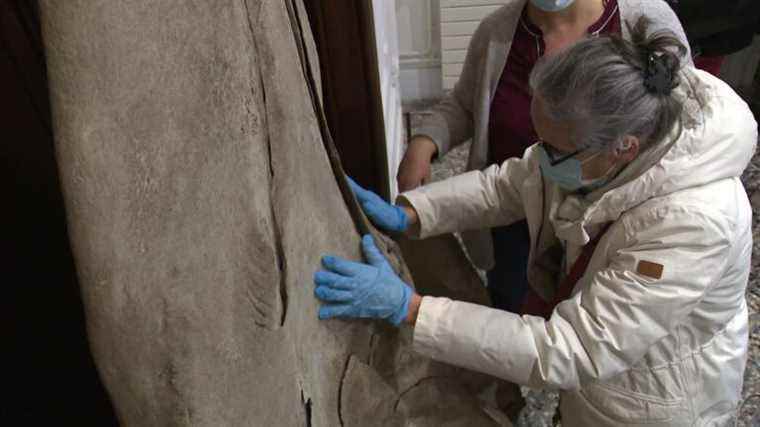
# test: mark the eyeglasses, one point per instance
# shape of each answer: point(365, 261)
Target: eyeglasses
point(556, 157)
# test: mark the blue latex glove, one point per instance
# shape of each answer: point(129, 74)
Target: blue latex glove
point(384, 215)
point(353, 289)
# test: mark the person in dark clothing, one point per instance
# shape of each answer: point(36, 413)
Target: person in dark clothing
point(717, 28)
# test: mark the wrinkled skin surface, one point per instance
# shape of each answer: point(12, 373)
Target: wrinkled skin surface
point(199, 199)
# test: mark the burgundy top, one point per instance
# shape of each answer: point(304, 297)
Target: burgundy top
point(510, 129)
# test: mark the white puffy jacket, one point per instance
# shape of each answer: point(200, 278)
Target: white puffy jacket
point(656, 330)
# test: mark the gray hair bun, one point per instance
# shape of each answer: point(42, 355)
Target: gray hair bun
point(657, 55)
point(659, 78)
point(606, 88)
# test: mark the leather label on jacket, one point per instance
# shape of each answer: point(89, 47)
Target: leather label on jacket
point(650, 269)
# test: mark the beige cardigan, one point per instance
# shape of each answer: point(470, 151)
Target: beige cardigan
point(463, 114)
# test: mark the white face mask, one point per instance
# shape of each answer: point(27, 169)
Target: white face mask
point(552, 5)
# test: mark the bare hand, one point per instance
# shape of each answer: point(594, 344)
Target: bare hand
point(415, 167)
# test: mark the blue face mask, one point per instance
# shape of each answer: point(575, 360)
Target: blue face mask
point(568, 173)
point(552, 5)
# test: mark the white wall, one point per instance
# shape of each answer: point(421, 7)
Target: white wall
point(459, 20)
point(419, 31)
point(433, 38)
point(388, 56)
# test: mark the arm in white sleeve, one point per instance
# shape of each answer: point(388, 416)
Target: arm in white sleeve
point(601, 331)
point(471, 201)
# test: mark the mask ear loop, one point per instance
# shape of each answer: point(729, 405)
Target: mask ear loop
point(622, 147)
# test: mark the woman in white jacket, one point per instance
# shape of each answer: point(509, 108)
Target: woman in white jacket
point(641, 243)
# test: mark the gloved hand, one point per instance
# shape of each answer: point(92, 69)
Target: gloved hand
point(384, 215)
point(353, 289)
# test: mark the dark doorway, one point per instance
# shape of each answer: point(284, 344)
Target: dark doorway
point(343, 32)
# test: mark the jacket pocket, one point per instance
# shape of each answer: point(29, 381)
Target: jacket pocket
point(628, 407)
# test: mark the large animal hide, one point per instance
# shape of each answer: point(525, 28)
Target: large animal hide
point(200, 196)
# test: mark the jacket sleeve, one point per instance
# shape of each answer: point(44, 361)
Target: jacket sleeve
point(605, 328)
point(473, 200)
point(450, 122)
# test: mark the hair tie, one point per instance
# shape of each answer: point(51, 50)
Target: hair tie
point(658, 77)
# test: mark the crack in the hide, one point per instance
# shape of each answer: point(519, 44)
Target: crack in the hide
point(415, 385)
point(307, 408)
point(340, 388)
point(277, 231)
